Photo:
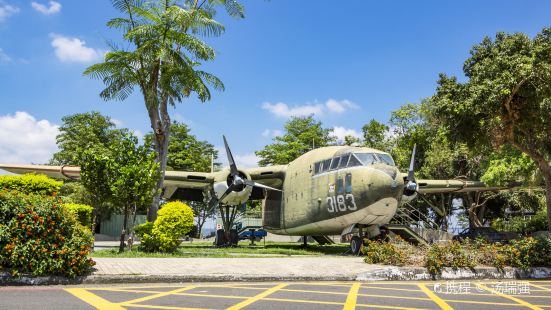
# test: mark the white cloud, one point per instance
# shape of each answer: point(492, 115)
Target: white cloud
point(4, 58)
point(117, 122)
point(23, 139)
point(54, 7)
point(7, 10)
point(340, 106)
point(68, 49)
point(341, 132)
point(269, 133)
point(246, 160)
point(281, 109)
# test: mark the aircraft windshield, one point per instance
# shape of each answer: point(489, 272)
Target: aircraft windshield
point(370, 158)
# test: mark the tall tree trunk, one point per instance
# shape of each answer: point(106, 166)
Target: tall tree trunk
point(548, 201)
point(124, 229)
point(161, 132)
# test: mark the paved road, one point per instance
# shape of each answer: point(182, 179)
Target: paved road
point(485, 295)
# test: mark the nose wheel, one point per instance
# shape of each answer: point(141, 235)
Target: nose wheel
point(356, 245)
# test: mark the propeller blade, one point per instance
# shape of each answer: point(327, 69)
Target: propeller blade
point(227, 192)
point(233, 167)
point(255, 184)
point(411, 175)
point(214, 201)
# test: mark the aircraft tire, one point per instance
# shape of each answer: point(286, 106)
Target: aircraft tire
point(355, 245)
point(220, 238)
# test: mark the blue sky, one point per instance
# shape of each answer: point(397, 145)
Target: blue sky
point(345, 61)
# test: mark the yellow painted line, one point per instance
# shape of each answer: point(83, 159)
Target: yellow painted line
point(519, 301)
point(388, 307)
point(395, 297)
point(391, 288)
point(541, 287)
point(162, 307)
point(158, 295)
point(257, 297)
point(304, 301)
point(122, 290)
point(483, 302)
point(352, 298)
point(441, 303)
point(212, 296)
point(93, 299)
point(314, 292)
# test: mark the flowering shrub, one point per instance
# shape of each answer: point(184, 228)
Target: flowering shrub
point(83, 213)
point(30, 184)
point(175, 220)
point(383, 253)
point(451, 254)
point(529, 252)
point(39, 236)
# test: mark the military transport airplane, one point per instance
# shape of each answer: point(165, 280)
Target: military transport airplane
point(327, 191)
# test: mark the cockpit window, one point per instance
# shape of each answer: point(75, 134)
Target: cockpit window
point(326, 165)
point(335, 163)
point(386, 159)
point(317, 167)
point(354, 161)
point(366, 158)
point(344, 161)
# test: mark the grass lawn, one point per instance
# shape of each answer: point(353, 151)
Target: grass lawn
point(271, 249)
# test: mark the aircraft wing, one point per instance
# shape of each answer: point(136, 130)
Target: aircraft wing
point(188, 185)
point(455, 185)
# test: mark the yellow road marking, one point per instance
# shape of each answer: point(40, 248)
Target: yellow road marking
point(93, 299)
point(314, 292)
point(541, 287)
point(519, 301)
point(304, 301)
point(158, 295)
point(350, 303)
point(162, 307)
point(483, 302)
point(388, 307)
point(257, 297)
point(441, 303)
point(122, 290)
point(391, 288)
point(398, 297)
point(212, 296)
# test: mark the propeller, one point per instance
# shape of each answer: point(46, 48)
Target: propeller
point(237, 181)
point(411, 185)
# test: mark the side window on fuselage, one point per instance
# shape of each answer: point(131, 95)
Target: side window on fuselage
point(340, 186)
point(348, 183)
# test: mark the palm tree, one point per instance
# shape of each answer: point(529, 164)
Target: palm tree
point(162, 60)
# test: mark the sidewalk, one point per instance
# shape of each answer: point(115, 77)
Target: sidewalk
point(318, 268)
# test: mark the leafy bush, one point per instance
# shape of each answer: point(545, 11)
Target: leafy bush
point(39, 236)
point(83, 213)
point(451, 254)
point(383, 253)
point(30, 184)
point(529, 252)
point(175, 219)
point(519, 224)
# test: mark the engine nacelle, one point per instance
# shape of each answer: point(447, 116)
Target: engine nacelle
point(238, 196)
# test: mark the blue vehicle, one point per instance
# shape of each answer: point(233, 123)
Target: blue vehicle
point(252, 233)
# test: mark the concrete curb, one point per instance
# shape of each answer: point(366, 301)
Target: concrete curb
point(390, 273)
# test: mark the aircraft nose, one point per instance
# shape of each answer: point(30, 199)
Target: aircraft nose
point(383, 182)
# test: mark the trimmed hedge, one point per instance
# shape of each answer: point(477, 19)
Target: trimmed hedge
point(39, 236)
point(175, 220)
point(30, 184)
point(82, 212)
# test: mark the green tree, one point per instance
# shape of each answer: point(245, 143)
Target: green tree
point(162, 59)
point(126, 176)
point(80, 132)
point(187, 153)
point(375, 135)
point(506, 99)
point(301, 133)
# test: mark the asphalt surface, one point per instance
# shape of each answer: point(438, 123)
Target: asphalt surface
point(286, 295)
